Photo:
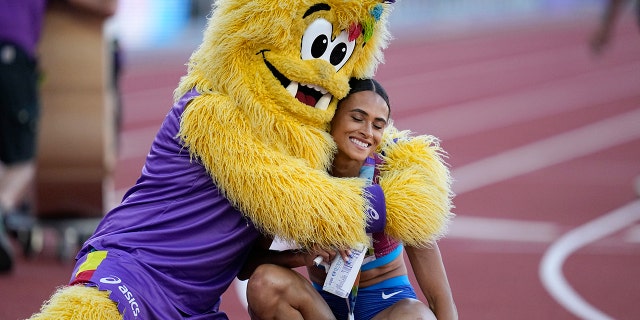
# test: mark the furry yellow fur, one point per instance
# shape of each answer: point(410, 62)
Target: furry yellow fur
point(79, 302)
point(283, 196)
point(417, 187)
point(267, 151)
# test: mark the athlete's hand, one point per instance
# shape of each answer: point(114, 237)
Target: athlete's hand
point(327, 254)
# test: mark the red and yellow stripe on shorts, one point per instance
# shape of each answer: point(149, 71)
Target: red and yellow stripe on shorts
point(89, 266)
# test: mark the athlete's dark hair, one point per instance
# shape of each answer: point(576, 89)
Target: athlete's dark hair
point(358, 85)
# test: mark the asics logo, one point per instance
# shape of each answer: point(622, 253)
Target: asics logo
point(110, 280)
point(387, 296)
point(135, 307)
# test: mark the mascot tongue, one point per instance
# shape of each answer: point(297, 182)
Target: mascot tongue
point(307, 95)
point(306, 99)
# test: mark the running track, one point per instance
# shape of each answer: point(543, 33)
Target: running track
point(543, 141)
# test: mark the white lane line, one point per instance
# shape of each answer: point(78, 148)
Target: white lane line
point(534, 102)
point(550, 271)
point(469, 227)
point(567, 146)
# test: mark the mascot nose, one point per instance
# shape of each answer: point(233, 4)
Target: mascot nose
point(326, 71)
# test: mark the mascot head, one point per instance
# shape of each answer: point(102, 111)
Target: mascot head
point(293, 56)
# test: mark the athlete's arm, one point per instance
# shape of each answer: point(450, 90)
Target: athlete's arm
point(429, 270)
point(291, 258)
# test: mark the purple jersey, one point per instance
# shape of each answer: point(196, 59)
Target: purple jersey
point(21, 23)
point(174, 244)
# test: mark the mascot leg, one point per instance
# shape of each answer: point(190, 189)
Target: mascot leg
point(78, 302)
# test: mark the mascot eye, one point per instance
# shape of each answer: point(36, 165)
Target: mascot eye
point(338, 53)
point(342, 50)
point(315, 40)
point(319, 46)
point(316, 44)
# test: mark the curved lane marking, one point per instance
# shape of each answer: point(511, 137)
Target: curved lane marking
point(551, 266)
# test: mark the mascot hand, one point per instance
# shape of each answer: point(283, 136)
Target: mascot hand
point(417, 187)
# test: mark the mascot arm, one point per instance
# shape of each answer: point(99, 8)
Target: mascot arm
point(417, 185)
point(281, 194)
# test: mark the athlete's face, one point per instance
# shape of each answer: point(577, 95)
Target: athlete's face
point(358, 124)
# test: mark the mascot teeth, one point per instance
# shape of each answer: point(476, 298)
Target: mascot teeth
point(292, 88)
point(322, 90)
point(310, 94)
point(323, 103)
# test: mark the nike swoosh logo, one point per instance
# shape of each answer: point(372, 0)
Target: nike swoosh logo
point(387, 296)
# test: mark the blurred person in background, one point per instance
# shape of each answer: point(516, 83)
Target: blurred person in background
point(20, 29)
point(601, 37)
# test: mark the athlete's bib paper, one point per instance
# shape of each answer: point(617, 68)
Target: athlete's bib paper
point(342, 275)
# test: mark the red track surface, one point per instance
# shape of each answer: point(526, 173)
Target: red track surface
point(543, 138)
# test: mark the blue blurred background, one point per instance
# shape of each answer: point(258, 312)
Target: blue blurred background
point(144, 24)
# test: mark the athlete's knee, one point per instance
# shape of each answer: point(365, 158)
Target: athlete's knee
point(267, 292)
point(412, 309)
point(267, 279)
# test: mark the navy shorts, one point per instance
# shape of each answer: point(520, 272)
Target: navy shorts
point(19, 105)
point(370, 300)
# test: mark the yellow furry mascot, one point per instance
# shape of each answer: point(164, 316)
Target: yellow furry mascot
point(245, 150)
